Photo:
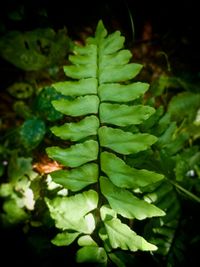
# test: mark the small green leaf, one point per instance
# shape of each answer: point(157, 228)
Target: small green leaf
point(91, 254)
point(167, 136)
point(104, 237)
point(111, 44)
point(43, 105)
point(159, 192)
point(120, 92)
point(112, 74)
point(86, 240)
point(14, 214)
point(126, 204)
point(21, 90)
point(75, 155)
point(18, 167)
point(84, 55)
point(122, 175)
point(107, 213)
point(81, 71)
point(121, 236)
point(6, 189)
point(124, 142)
point(80, 106)
point(78, 178)
point(184, 105)
point(64, 238)
point(71, 213)
point(32, 132)
point(85, 63)
point(122, 57)
point(77, 88)
point(100, 32)
point(124, 115)
point(75, 131)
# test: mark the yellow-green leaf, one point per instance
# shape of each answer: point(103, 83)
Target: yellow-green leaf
point(121, 92)
point(82, 105)
point(64, 238)
point(122, 73)
point(77, 88)
point(126, 204)
point(124, 142)
point(75, 131)
point(75, 155)
point(121, 236)
point(91, 254)
point(124, 115)
point(72, 213)
point(122, 175)
point(78, 178)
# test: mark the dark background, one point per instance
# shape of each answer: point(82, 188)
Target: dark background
point(175, 24)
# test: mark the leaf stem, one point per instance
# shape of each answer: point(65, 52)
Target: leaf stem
point(185, 191)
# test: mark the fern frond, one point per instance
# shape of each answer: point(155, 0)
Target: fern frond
point(102, 94)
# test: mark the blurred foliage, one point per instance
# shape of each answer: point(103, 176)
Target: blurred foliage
point(35, 50)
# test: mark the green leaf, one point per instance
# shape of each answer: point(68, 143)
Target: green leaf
point(85, 62)
point(77, 88)
point(84, 55)
point(124, 115)
point(18, 167)
point(64, 238)
point(126, 204)
point(71, 213)
point(162, 231)
point(100, 32)
point(6, 189)
point(167, 136)
point(86, 240)
point(80, 106)
point(122, 175)
point(107, 213)
point(159, 193)
point(91, 254)
point(122, 57)
point(32, 132)
point(75, 131)
point(75, 155)
point(121, 236)
point(78, 178)
point(184, 105)
point(124, 142)
point(111, 44)
point(21, 90)
point(111, 74)
point(34, 50)
point(43, 105)
point(120, 92)
point(81, 71)
point(14, 214)
point(177, 144)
